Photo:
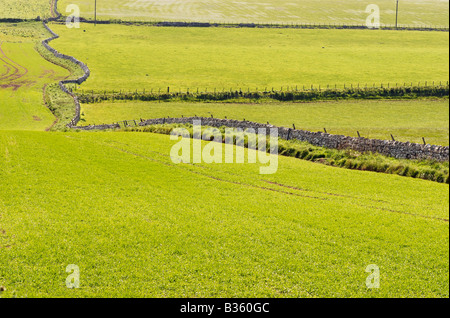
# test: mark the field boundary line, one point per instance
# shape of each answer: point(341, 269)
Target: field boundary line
point(193, 24)
point(291, 94)
point(62, 83)
point(312, 26)
point(287, 25)
point(58, 17)
point(255, 186)
point(392, 148)
point(80, 80)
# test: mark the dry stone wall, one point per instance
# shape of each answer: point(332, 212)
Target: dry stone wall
point(83, 66)
point(396, 149)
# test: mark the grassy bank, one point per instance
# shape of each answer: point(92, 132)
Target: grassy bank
point(349, 159)
point(138, 225)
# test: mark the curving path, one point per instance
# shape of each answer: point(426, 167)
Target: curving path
point(14, 70)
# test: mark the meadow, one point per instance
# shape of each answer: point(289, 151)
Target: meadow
point(412, 12)
point(151, 58)
point(25, 9)
point(138, 225)
point(407, 120)
point(24, 76)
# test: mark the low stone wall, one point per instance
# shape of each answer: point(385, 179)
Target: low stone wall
point(396, 149)
point(97, 127)
point(78, 81)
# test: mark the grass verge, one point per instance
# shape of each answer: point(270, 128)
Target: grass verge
point(138, 225)
point(422, 169)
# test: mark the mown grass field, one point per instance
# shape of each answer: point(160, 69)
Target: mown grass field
point(132, 57)
point(139, 226)
point(25, 9)
point(23, 76)
point(407, 120)
point(412, 12)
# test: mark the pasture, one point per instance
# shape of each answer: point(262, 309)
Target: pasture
point(151, 58)
point(25, 9)
point(407, 120)
point(138, 225)
point(219, 58)
point(412, 12)
point(23, 76)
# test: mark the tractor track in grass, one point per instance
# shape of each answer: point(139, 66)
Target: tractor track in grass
point(11, 70)
point(6, 71)
point(19, 71)
point(278, 190)
point(247, 185)
point(8, 68)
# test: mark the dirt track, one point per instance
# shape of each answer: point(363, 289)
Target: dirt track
point(14, 71)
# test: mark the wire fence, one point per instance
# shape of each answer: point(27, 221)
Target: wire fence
point(246, 24)
point(229, 122)
point(425, 88)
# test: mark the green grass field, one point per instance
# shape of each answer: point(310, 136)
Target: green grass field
point(23, 76)
point(132, 57)
point(139, 226)
point(412, 12)
point(25, 9)
point(407, 120)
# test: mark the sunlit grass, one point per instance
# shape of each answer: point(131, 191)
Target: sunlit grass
point(412, 12)
point(138, 225)
point(408, 120)
point(130, 58)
